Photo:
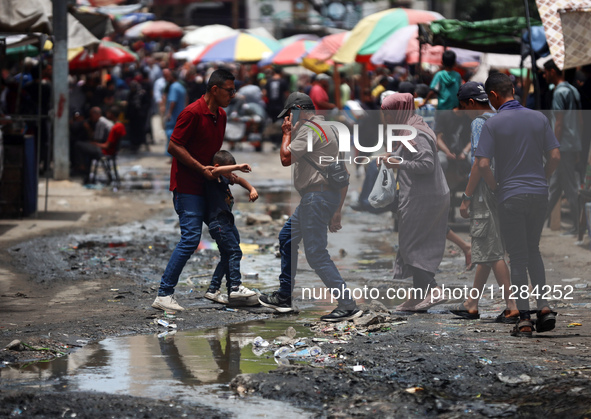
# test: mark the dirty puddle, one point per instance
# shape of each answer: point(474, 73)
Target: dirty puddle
point(189, 366)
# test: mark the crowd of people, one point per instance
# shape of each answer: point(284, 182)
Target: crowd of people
point(505, 194)
point(506, 201)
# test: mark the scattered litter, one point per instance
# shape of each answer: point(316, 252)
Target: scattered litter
point(251, 276)
point(571, 279)
point(114, 289)
point(166, 333)
point(414, 389)
point(358, 368)
point(118, 244)
point(282, 352)
point(259, 341)
point(574, 325)
point(290, 332)
point(230, 309)
point(523, 378)
point(15, 345)
point(485, 361)
point(282, 361)
point(305, 353)
point(164, 323)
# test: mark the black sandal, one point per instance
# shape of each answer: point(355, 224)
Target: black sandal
point(545, 322)
point(523, 324)
point(461, 311)
point(501, 318)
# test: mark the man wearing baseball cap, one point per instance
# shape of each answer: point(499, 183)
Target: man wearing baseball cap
point(479, 204)
point(319, 210)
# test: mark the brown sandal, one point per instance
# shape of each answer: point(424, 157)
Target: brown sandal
point(523, 329)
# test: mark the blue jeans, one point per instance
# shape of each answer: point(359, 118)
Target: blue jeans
point(522, 220)
point(309, 223)
point(226, 235)
point(191, 210)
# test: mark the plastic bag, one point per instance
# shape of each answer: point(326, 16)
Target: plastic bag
point(384, 190)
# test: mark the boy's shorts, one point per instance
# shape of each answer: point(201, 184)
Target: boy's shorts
point(487, 243)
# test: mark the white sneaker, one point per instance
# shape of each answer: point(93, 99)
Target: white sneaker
point(218, 297)
point(167, 303)
point(242, 293)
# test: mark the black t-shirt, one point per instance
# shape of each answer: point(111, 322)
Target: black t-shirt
point(219, 198)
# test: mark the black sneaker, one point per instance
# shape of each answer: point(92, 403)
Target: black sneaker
point(276, 302)
point(340, 314)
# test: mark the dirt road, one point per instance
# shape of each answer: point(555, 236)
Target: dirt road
point(89, 270)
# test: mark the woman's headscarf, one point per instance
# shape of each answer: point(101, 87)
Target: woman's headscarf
point(404, 105)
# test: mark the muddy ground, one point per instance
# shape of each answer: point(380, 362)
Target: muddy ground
point(75, 285)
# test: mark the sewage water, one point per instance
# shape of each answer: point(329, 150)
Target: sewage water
point(192, 366)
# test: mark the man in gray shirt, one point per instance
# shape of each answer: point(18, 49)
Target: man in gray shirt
point(102, 126)
point(319, 210)
point(566, 106)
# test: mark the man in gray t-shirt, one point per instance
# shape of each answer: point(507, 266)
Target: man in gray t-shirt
point(102, 126)
point(566, 105)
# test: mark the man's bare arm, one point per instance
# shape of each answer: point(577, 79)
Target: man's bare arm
point(552, 160)
point(183, 156)
point(486, 172)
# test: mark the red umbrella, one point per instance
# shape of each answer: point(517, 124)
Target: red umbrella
point(107, 54)
point(155, 29)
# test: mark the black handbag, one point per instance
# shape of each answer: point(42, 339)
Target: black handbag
point(336, 173)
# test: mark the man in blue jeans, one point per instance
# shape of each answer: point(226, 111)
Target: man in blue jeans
point(518, 139)
point(319, 210)
point(197, 136)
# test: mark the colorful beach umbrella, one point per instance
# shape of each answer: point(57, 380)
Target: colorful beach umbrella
point(206, 35)
point(403, 47)
point(290, 55)
point(242, 48)
point(319, 59)
point(372, 31)
point(155, 29)
point(301, 37)
point(107, 54)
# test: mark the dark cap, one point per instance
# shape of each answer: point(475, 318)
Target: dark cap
point(297, 100)
point(472, 90)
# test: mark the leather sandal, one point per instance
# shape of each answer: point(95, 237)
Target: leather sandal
point(501, 318)
point(520, 329)
point(545, 322)
point(461, 311)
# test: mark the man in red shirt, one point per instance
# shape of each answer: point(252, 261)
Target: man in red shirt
point(197, 136)
point(94, 150)
point(319, 93)
point(109, 147)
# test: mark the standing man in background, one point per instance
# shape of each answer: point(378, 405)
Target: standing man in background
point(176, 100)
point(566, 115)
